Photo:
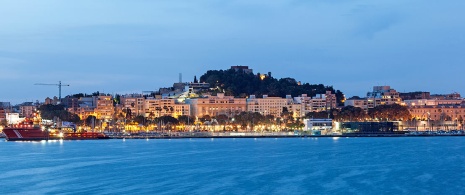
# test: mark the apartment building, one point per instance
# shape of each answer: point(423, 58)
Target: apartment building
point(154, 107)
point(269, 105)
point(27, 110)
point(385, 95)
point(104, 108)
point(217, 105)
point(318, 103)
point(133, 102)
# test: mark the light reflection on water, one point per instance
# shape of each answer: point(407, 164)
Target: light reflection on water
point(235, 166)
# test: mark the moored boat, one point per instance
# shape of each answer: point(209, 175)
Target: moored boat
point(31, 132)
point(25, 132)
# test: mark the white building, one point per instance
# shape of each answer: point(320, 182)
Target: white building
point(318, 103)
point(13, 118)
point(318, 124)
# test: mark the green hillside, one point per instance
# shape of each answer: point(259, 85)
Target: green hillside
point(240, 84)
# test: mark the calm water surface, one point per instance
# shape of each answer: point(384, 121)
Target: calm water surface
point(431, 165)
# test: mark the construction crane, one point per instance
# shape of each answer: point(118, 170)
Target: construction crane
point(59, 88)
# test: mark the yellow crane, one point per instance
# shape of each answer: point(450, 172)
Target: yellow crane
point(59, 87)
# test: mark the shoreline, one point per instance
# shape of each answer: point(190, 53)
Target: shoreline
point(270, 136)
point(282, 136)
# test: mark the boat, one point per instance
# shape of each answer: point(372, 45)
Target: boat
point(27, 131)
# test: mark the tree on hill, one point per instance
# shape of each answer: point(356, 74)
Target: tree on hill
point(52, 112)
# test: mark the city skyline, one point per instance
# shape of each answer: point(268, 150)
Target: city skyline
point(129, 47)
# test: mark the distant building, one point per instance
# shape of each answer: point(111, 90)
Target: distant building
point(100, 106)
point(451, 96)
point(385, 94)
point(269, 105)
point(5, 105)
point(133, 102)
point(415, 95)
point(198, 86)
point(433, 102)
point(13, 118)
point(217, 105)
point(70, 102)
point(2, 114)
point(318, 124)
point(184, 89)
point(370, 127)
point(381, 95)
point(318, 103)
point(104, 107)
point(363, 103)
point(27, 110)
point(438, 113)
point(53, 101)
point(165, 107)
point(244, 69)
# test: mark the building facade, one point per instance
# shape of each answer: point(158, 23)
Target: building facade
point(133, 102)
point(104, 108)
point(438, 113)
point(269, 105)
point(217, 105)
point(385, 95)
point(165, 107)
point(2, 114)
point(27, 111)
point(318, 103)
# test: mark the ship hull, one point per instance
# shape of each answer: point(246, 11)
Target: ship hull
point(25, 134)
point(36, 134)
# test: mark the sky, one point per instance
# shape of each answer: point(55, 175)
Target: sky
point(123, 46)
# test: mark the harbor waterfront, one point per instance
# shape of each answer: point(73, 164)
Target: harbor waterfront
point(296, 134)
point(420, 165)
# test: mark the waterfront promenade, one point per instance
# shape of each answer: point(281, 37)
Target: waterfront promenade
point(187, 135)
point(206, 135)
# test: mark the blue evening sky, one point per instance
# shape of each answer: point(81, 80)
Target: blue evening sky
point(125, 46)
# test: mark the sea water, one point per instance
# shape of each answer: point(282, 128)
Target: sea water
point(401, 165)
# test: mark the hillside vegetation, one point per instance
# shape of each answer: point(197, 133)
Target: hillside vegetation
point(240, 84)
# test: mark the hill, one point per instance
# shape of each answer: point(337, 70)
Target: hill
point(241, 84)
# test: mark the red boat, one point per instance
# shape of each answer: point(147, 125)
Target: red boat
point(30, 132)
